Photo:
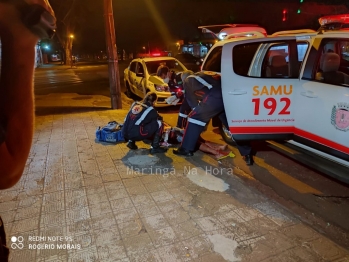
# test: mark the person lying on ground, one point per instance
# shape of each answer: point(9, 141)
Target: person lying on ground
point(212, 148)
point(175, 135)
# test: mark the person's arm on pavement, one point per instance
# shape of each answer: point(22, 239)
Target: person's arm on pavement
point(16, 94)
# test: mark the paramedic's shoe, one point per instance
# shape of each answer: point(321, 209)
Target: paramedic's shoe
point(182, 152)
point(249, 160)
point(155, 150)
point(155, 145)
point(132, 145)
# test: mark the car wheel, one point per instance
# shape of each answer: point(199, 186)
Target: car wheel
point(225, 133)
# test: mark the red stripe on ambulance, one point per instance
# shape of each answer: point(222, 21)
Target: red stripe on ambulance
point(261, 129)
point(288, 129)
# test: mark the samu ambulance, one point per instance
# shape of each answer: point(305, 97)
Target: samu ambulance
point(292, 85)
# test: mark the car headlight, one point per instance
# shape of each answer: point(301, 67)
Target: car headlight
point(161, 88)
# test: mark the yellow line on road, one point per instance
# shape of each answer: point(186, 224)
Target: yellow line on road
point(285, 148)
point(287, 179)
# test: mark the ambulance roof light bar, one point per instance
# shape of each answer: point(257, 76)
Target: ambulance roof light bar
point(333, 23)
point(343, 18)
point(244, 34)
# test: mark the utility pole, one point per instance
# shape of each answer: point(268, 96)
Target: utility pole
point(114, 78)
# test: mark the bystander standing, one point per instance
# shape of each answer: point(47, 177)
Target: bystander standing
point(22, 23)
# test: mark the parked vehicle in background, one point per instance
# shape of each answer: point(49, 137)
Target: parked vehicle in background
point(55, 57)
point(140, 78)
point(292, 86)
point(191, 62)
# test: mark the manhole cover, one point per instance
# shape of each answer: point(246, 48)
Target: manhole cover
point(143, 160)
point(82, 98)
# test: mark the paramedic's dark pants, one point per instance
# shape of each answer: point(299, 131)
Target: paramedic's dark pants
point(139, 133)
point(244, 147)
point(198, 118)
point(184, 111)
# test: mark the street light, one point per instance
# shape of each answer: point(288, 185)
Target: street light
point(71, 36)
point(71, 39)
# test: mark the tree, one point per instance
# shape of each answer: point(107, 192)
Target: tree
point(70, 16)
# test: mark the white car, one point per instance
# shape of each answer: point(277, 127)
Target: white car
point(290, 86)
point(140, 78)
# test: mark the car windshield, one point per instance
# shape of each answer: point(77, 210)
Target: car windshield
point(153, 66)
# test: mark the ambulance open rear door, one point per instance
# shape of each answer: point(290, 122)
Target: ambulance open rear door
point(258, 87)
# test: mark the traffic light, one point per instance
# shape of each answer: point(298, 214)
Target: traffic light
point(300, 5)
point(284, 15)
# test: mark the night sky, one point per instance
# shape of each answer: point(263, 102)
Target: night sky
point(160, 22)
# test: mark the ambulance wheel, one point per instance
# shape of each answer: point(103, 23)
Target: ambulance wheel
point(226, 135)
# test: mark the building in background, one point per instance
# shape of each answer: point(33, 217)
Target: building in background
point(38, 56)
point(196, 49)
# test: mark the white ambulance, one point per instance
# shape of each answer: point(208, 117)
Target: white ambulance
point(292, 85)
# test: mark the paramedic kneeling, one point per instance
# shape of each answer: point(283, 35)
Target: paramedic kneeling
point(211, 104)
point(144, 122)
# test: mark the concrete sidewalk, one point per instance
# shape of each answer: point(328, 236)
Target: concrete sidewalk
point(80, 200)
point(53, 66)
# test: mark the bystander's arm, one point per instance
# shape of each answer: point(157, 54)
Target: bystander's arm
point(16, 94)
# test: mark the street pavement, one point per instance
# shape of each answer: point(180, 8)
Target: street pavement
point(82, 200)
